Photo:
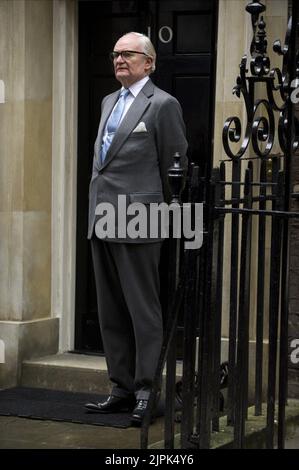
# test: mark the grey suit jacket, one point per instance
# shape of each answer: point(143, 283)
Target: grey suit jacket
point(137, 163)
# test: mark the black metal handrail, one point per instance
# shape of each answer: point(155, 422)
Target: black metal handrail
point(256, 206)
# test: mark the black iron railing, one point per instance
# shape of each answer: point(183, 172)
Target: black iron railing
point(252, 201)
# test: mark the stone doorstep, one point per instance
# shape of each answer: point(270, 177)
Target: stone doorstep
point(255, 429)
point(70, 372)
point(67, 371)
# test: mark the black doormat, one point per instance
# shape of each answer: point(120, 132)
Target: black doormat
point(54, 405)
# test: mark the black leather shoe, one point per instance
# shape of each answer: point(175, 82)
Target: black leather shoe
point(139, 412)
point(112, 405)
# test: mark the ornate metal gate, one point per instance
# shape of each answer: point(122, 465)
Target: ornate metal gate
point(250, 193)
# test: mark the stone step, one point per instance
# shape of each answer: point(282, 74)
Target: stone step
point(70, 372)
point(67, 371)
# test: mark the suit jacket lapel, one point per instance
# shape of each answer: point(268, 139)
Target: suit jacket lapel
point(134, 114)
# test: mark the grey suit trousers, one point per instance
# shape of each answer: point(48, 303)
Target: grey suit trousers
point(127, 281)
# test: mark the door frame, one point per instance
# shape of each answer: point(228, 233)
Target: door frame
point(64, 168)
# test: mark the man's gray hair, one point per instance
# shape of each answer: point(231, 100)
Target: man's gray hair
point(148, 47)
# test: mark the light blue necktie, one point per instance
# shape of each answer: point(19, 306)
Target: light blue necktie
point(113, 123)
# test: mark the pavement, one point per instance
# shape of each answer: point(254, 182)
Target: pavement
point(292, 442)
point(23, 433)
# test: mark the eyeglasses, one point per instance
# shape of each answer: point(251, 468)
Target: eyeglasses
point(125, 55)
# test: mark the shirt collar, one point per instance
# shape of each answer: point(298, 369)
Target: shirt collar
point(137, 86)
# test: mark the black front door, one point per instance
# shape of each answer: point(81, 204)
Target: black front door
point(183, 33)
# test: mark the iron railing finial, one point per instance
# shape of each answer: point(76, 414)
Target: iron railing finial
point(176, 178)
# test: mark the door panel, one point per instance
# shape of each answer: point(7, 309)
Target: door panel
point(193, 43)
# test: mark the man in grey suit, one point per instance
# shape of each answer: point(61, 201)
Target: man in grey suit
point(141, 127)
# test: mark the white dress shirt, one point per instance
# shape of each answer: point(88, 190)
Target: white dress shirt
point(134, 90)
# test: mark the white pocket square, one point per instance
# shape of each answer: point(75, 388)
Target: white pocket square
point(140, 127)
